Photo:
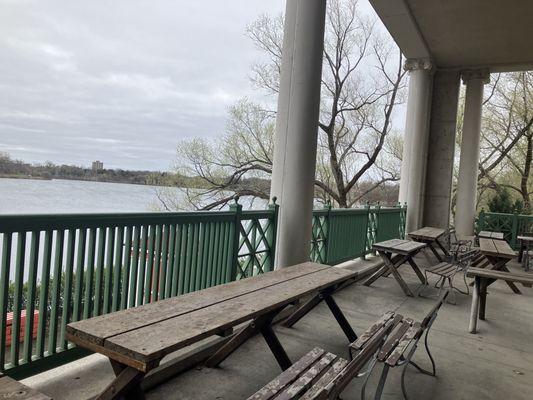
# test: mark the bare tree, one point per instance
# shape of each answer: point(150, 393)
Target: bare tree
point(362, 82)
point(507, 136)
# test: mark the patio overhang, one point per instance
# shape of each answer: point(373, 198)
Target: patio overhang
point(462, 34)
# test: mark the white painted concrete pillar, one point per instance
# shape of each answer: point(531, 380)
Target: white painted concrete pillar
point(295, 144)
point(469, 162)
point(441, 149)
point(413, 171)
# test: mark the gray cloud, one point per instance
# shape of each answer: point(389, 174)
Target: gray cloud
point(121, 81)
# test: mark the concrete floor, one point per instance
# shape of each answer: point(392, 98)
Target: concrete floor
point(496, 363)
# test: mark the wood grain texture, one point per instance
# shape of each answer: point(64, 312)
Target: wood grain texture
point(154, 341)
point(506, 276)
point(427, 233)
point(97, 330)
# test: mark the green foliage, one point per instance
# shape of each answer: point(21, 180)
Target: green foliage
point(502, 202)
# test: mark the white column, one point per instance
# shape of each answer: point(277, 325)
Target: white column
point(414, 160)
point(468, 164)
point(295, 144)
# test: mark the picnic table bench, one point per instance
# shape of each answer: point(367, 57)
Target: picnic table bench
point(483, 278)
point(136, 340)
point(405, 250)
point(431, 236)
point(12, 389)
point(498, 253)
point(490, 235)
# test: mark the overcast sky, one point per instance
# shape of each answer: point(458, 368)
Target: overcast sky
point(120, 80)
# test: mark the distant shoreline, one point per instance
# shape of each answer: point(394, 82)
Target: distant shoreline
point(37, 178)
point(40, 178)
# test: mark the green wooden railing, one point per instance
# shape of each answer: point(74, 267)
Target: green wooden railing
point(344, 234)
point(56, 269)
point(512, 225)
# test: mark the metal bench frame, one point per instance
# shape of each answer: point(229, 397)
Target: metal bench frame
point(406, 360)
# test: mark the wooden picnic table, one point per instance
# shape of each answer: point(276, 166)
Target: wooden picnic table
point(491, 235)
point(498, 253)
point(135, 340)
point(405, 250)
point(431, 236)
point(526, 243)
point(483, 278)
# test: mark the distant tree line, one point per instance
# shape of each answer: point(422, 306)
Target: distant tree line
point(11, 168)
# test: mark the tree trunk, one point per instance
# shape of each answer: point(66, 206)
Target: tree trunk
point(525, 176)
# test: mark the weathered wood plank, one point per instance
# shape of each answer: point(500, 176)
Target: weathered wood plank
point(330, 374)
point(394, 339)
point(412, 333)
point(506, 276)
point(96, 330)
point(308, 378)
point(427, 233)
point(409, 247)
point(503, 248)
point(154, 341)
point(367, 335)
point(387, 244)
point(488, 247)
point(288, 376)
point(12, 389)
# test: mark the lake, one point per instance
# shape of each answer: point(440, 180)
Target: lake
point(29, 196)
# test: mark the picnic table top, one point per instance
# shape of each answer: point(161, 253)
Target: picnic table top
point(141, 336)
point(496, 248)
point(491, 235)
point(506, 276)
point(399, 246)
point(428, 233)
point(525, 238)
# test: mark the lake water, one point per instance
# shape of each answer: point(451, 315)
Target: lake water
point(25, 196)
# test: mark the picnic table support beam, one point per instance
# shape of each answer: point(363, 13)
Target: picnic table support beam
point(127, 384)
point(275, 346)
point(256, 326)
point(341, 319)
point(325, 295)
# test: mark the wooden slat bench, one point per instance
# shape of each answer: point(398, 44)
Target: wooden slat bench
point(14, 390)
point(323, 375)
point(401, 344)
point(482, 279)
point(136, 340)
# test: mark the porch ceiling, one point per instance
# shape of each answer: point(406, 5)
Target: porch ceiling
point(462, 33)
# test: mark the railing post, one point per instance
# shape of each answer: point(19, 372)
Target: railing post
point(368, 237)
point(514, 230)
point(271, 233)
point(403, 216)
point(326, 231)
point(235, 231)
point(480, 221)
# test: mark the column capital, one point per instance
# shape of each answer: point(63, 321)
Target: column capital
point(472, 74)
point(413, 64)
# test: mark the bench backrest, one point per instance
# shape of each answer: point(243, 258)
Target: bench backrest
point(334, 388)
